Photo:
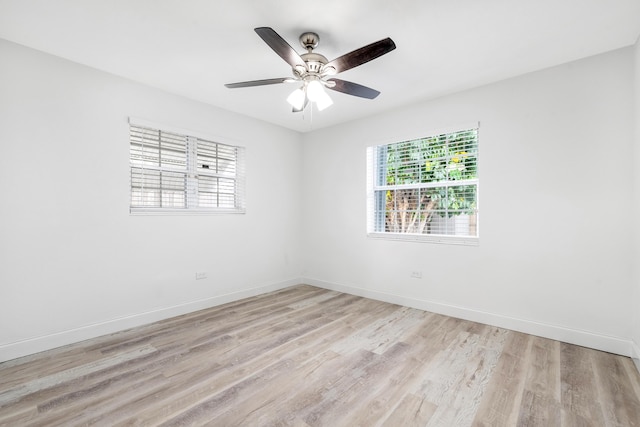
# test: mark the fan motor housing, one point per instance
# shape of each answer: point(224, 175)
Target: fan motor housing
point(314, 61)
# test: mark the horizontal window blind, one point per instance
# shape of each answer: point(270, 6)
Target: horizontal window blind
point(173, 172)
point(158, 168)
point(424, 187)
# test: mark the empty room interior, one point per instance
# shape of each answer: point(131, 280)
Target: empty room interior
point(320, 214)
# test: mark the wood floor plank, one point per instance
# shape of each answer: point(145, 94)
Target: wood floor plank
point(255, 355)
point(274, 400)
point(631, 371)
point(579, 398)
point(615, 391)
point(387, 394)
point(413, 411)
point(541, 397)
point(352, 389)
point(320, 379)
point(36, 384)
point(501, 403)
point(478, 359)
point(308, 357)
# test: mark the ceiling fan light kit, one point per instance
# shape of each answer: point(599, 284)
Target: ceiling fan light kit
point(297, 98)
point(315, 72)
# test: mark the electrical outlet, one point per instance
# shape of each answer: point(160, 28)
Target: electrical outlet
point(416, 274)
point(201, 275)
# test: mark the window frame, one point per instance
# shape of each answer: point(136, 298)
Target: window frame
point(191, 173)
point(373, 216)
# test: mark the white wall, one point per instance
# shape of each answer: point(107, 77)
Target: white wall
point(73, 262)
point(636, 193)
point(555, 200)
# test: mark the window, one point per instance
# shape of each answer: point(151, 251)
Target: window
point(425, 189)
point(176, 173)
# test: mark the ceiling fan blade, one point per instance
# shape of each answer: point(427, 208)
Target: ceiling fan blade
point(354, 89)
point(362, 55)
point(280, 46)
point(258, 82)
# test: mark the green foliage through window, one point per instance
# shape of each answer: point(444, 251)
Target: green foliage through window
point(427, 185)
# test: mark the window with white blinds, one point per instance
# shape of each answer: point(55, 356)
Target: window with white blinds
point(425, 189)
point(173, 172)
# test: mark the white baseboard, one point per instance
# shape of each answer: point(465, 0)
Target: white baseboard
point(573, 336)
point(37, 344)
point(584, 338)
point(635, 354)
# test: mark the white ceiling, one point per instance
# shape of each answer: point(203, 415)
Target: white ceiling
point(193, 47)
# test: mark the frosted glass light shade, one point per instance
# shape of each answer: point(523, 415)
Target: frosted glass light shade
point(323, 100)
point(296, 99)
point(317, 94)
point(314, 90)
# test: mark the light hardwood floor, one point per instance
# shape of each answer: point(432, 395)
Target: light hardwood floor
point(305, 356)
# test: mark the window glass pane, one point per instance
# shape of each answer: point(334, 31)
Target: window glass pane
point(174, 181)
point(461, 198)
point(145, 197)
point(207, 191)
point(227, 200)
point(433, 170)
point(434, 210)
point(145, 147)
point(206, 156)
point(458, 224)
point(173, 199)
point(226, 159)
point(145, 187)
point(216, 192)
point(155, 148)
point(154, 188)
point(409, 210)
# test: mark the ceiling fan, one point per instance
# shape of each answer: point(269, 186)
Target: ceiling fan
point(315, 72)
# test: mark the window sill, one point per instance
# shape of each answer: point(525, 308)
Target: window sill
point(166, 211)
point(439, 239)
